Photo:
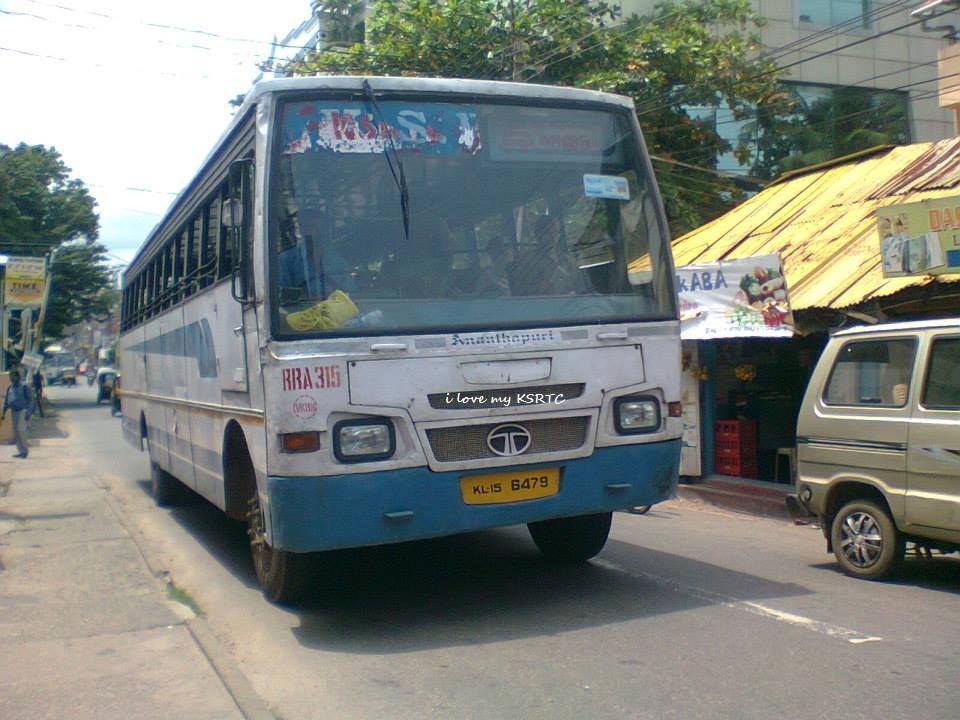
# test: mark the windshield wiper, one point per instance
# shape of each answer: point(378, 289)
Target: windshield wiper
point(398, 175)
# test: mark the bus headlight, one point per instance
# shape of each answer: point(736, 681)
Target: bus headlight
point(637, 414)
point(363, 440)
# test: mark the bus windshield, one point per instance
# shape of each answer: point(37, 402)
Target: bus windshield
point(423, 216)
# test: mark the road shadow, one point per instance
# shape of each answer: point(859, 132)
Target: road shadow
point(223, 538)
point(494, 586)
point(47, 427)
point(941, 573)
point(477, 588)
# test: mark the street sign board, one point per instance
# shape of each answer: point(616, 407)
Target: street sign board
point(24, 282)
point(920, 238)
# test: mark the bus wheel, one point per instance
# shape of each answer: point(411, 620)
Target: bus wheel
point(164, 487)
point(572, 539)
point(283, 576)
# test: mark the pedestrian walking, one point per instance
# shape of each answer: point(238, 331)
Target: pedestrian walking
point(19, 399)
point(38, 391)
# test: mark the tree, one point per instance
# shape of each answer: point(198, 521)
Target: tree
point(80, 289)
point(40, 206)
point(683, 54)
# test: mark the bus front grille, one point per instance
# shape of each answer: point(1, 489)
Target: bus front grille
point(469, 442)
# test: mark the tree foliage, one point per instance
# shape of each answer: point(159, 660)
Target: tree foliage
point(40, 206)
point(81, 287)
point(44, 211)
point(683, 54)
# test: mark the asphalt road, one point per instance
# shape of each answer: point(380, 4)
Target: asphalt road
point(687, 613)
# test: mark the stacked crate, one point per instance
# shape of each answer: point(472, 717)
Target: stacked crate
point(735, 445)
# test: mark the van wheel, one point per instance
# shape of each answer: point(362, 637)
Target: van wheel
point(283, 576)
point(865, 540)
point(164, 487)
point(572, 539)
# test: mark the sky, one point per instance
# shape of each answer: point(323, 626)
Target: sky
point(132, 108)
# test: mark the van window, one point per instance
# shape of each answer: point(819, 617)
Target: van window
point(942, 388)
point(872, 372)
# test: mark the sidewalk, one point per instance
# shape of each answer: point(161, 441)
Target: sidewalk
point(754, 497)
point(86, 628)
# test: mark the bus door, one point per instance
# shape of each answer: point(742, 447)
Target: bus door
point(238, 329)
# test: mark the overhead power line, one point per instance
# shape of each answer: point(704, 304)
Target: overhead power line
point(165, 26)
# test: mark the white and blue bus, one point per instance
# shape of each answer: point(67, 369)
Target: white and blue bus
point(398, 308)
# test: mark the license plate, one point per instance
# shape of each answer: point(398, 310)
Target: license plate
point(508, 487)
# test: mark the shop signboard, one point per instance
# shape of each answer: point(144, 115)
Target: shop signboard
point(746, 297)
point(24, 282)
point(920, 238)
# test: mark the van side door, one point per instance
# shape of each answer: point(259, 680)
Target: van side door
point(855, 425)
point(933, 456)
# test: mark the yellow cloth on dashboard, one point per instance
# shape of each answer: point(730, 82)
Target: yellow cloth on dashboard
point(326, 314)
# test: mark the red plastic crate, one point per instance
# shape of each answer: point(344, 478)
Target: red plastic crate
point(736, 428)
point(743, 457)
point(737, 467)
point(731, 443)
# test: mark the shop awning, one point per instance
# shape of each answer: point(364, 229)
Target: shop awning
point(822, 222)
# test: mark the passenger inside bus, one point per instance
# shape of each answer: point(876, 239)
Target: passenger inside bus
point(311, 269)
point(424, 261)
point(494, 277)
point(548, 268)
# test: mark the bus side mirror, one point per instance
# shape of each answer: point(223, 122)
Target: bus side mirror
point(235, 217)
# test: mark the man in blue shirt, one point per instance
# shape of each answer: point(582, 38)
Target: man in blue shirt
point(19, 399)
point(328, 272)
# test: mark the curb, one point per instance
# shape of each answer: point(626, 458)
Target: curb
point(251, 705)
point(766, 504)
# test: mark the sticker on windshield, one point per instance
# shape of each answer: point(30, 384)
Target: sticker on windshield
point(611, 187)
point(431, 128)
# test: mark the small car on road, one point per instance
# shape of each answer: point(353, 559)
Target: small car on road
point(878, 443)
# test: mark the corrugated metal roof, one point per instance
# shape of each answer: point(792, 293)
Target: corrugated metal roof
point(822, 222)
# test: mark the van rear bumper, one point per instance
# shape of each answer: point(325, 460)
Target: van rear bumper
point(798, 511)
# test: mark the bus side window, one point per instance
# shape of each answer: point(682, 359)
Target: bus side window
point(193, 257)
point(208, 252)
point(225, 253)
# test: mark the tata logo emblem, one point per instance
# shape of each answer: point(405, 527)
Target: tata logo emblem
point(508, 440)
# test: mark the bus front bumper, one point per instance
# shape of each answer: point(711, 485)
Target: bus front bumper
point(315, 513)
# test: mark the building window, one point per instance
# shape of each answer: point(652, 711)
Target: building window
point(850, 13)
point(826, 122)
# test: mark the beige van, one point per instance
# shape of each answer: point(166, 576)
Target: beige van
point(878, 443)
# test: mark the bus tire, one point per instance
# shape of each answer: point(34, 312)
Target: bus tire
point(284, 577)
point(164, 487)
point(571, 539)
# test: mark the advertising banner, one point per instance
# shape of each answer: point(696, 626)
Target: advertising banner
point(921, 238)
point(746, 297)
point(24, 282)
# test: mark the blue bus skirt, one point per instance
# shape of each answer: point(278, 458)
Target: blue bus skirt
point(313, 513)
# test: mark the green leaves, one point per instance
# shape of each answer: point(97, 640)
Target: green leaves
point(682, 54)
point(80, 289)
point(40, 207)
